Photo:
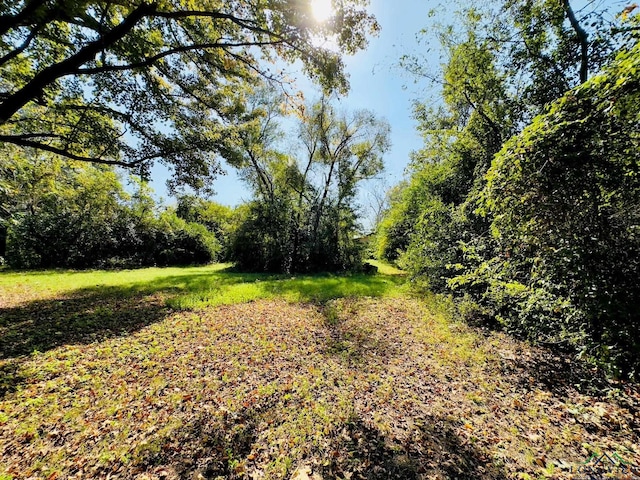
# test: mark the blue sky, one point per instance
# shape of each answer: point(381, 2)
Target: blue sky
point(377, 84)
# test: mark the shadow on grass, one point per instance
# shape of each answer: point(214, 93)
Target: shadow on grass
point(207, 447)
point(353, 342)
point(562, 374)
point(45, 324)
point(557, 372)
point(200, 290)
point(362, 451)
point(95, 313)
point(228, 447)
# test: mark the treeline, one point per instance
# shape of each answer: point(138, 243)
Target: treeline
point(57, 214)
point(524, 203)
point(302, 217)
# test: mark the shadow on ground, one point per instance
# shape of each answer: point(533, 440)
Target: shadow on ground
point(557, 372)
point(227, 448)
point(89, 314)
point(362, 451)
point(83, 318)
point(45, 324)
point(351, 341)
point(207, 448)
point(96, 313)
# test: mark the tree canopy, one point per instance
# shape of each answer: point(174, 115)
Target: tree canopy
point(132, 82)
point(303, 217)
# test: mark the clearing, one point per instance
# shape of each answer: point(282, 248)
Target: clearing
point(206, 373)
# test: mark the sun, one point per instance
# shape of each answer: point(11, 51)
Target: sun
point(322, 9)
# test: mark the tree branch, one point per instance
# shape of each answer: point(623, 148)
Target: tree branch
point(583, 38)
point(18, 50)
point(8, 22)
point(49, 75)
point(545, 58)
point(147, 62)
point(23, 141)
point(241, 22)
point(482, 113)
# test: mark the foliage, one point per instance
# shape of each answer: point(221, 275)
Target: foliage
point(221, 220)
point(133, 82)
point(555, 46)
point(392, 236)
point(303, 217)
point(564, 199)
point(433, 248)
point(66, 225)
point(81, 217)
point(544, 242)
point(262, 242)
point(428, 219)
point(24, 183)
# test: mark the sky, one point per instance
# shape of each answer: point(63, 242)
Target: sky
point(377, 84)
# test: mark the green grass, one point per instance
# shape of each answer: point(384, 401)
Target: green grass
point(200, 287)
point(64, 281)
point(385, 268)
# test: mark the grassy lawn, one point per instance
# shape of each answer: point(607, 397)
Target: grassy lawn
point(195, 287)
point(208, 373)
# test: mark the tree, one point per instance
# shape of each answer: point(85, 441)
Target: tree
point(27, 181)
point(535, 224)
point(221, 220)
point(303, 217)
point(555, 45)
point(505, 62)
point(563, 198)
point(428, 219)
point(73, 214)
point(63, 214)
point(350, 149)
point(131, 82)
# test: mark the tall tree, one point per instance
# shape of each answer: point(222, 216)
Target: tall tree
point(130, 82)
point(563, 198)
point(506, 60)
point(533, 227)
point(304, 202)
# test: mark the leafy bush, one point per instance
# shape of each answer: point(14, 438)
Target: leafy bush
point(88, 221)
point(262, 242)
point(218, 219)
point(57, 239)
point(564, 202)
point(275, 237)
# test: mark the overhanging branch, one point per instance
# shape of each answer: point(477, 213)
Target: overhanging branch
point(147, 62)
point(21, 48)
point(24, 141)
point(583, 38)
point(49, 75)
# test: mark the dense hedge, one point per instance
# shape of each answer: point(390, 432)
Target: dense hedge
point(62, 215)
point(547, 241)
point(564, 202)
point(63, 239)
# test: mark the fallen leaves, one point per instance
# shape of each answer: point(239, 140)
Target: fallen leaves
point(355, 388)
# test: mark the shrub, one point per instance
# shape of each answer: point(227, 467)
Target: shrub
point(563, 198)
